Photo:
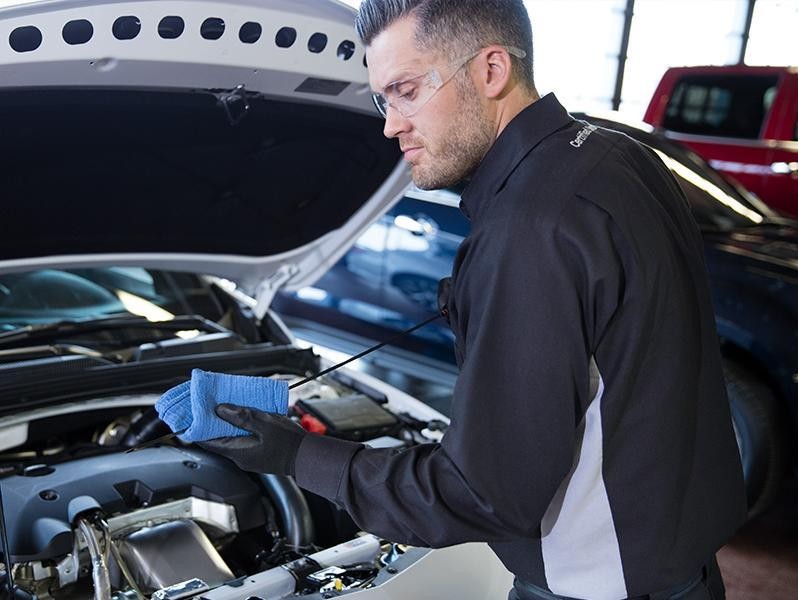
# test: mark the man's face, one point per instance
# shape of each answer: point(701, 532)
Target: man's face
point(447, 138)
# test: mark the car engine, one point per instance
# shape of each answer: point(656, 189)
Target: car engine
point(85, 519)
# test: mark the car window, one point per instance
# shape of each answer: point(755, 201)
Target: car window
point(47, 295)
point(721, 105)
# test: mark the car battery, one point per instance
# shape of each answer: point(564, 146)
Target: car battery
point(356, 417)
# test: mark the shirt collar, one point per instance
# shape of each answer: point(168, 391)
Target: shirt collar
point(526, 130)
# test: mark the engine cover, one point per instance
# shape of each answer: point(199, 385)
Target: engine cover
point(36, 504)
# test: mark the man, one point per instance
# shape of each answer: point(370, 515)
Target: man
point(591, 442)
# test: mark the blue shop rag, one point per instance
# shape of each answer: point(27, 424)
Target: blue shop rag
point(191, 405)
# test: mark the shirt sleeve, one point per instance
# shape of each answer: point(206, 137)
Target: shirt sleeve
point(530, 300)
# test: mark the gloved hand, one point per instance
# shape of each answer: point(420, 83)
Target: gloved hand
point(272, 447)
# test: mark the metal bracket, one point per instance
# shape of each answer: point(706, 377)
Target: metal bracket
point(269, 287)
point(69, 566)
point(184, 589)
point(235, 104)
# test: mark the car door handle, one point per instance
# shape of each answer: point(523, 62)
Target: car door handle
point(414, 226)
point(784, 168)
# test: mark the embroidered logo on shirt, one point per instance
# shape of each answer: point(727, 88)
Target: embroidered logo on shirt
point(582, 136)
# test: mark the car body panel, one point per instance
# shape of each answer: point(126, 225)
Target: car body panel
point(228, 72)
point(754, 282)
point(479, 575)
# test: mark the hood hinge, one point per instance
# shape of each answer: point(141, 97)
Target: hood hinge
point(266, 290)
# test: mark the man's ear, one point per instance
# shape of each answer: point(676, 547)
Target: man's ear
point(495, 71)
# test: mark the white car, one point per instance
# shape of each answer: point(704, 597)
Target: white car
point(167, 166)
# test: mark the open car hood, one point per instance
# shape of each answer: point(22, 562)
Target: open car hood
point(242, 144)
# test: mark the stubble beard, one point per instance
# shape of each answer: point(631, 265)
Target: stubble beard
point(463, 144)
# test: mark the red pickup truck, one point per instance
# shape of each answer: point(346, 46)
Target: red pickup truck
point(743, 120)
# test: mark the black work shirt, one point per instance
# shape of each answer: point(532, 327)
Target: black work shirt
point(591, 441)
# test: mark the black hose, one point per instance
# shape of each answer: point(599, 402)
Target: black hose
point(147, 426)
point(292, 509)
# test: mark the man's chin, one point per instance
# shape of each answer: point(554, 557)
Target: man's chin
point(423, 184)
point(424, 180)
point(420, 178)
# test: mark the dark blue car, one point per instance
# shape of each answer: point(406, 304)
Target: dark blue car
point(388, 281)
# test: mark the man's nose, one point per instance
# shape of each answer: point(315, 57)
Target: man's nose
point(395, 123)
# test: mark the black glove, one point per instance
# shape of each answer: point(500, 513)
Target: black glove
point(272, 447)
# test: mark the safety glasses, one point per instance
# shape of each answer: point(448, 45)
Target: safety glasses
point(409, 96)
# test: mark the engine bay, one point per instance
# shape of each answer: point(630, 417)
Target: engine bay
point(85, 519)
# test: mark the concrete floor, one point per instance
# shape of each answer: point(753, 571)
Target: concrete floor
point(761, 560)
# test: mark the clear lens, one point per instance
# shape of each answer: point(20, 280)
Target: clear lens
point(407, 96)
point(381, 103)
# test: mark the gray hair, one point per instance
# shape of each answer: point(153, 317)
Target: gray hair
point(456, 27)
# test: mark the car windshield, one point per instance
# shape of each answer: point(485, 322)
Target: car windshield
point(51, 295)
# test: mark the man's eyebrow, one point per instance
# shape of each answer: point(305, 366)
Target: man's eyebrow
point(402, 75)
point(407, 74)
